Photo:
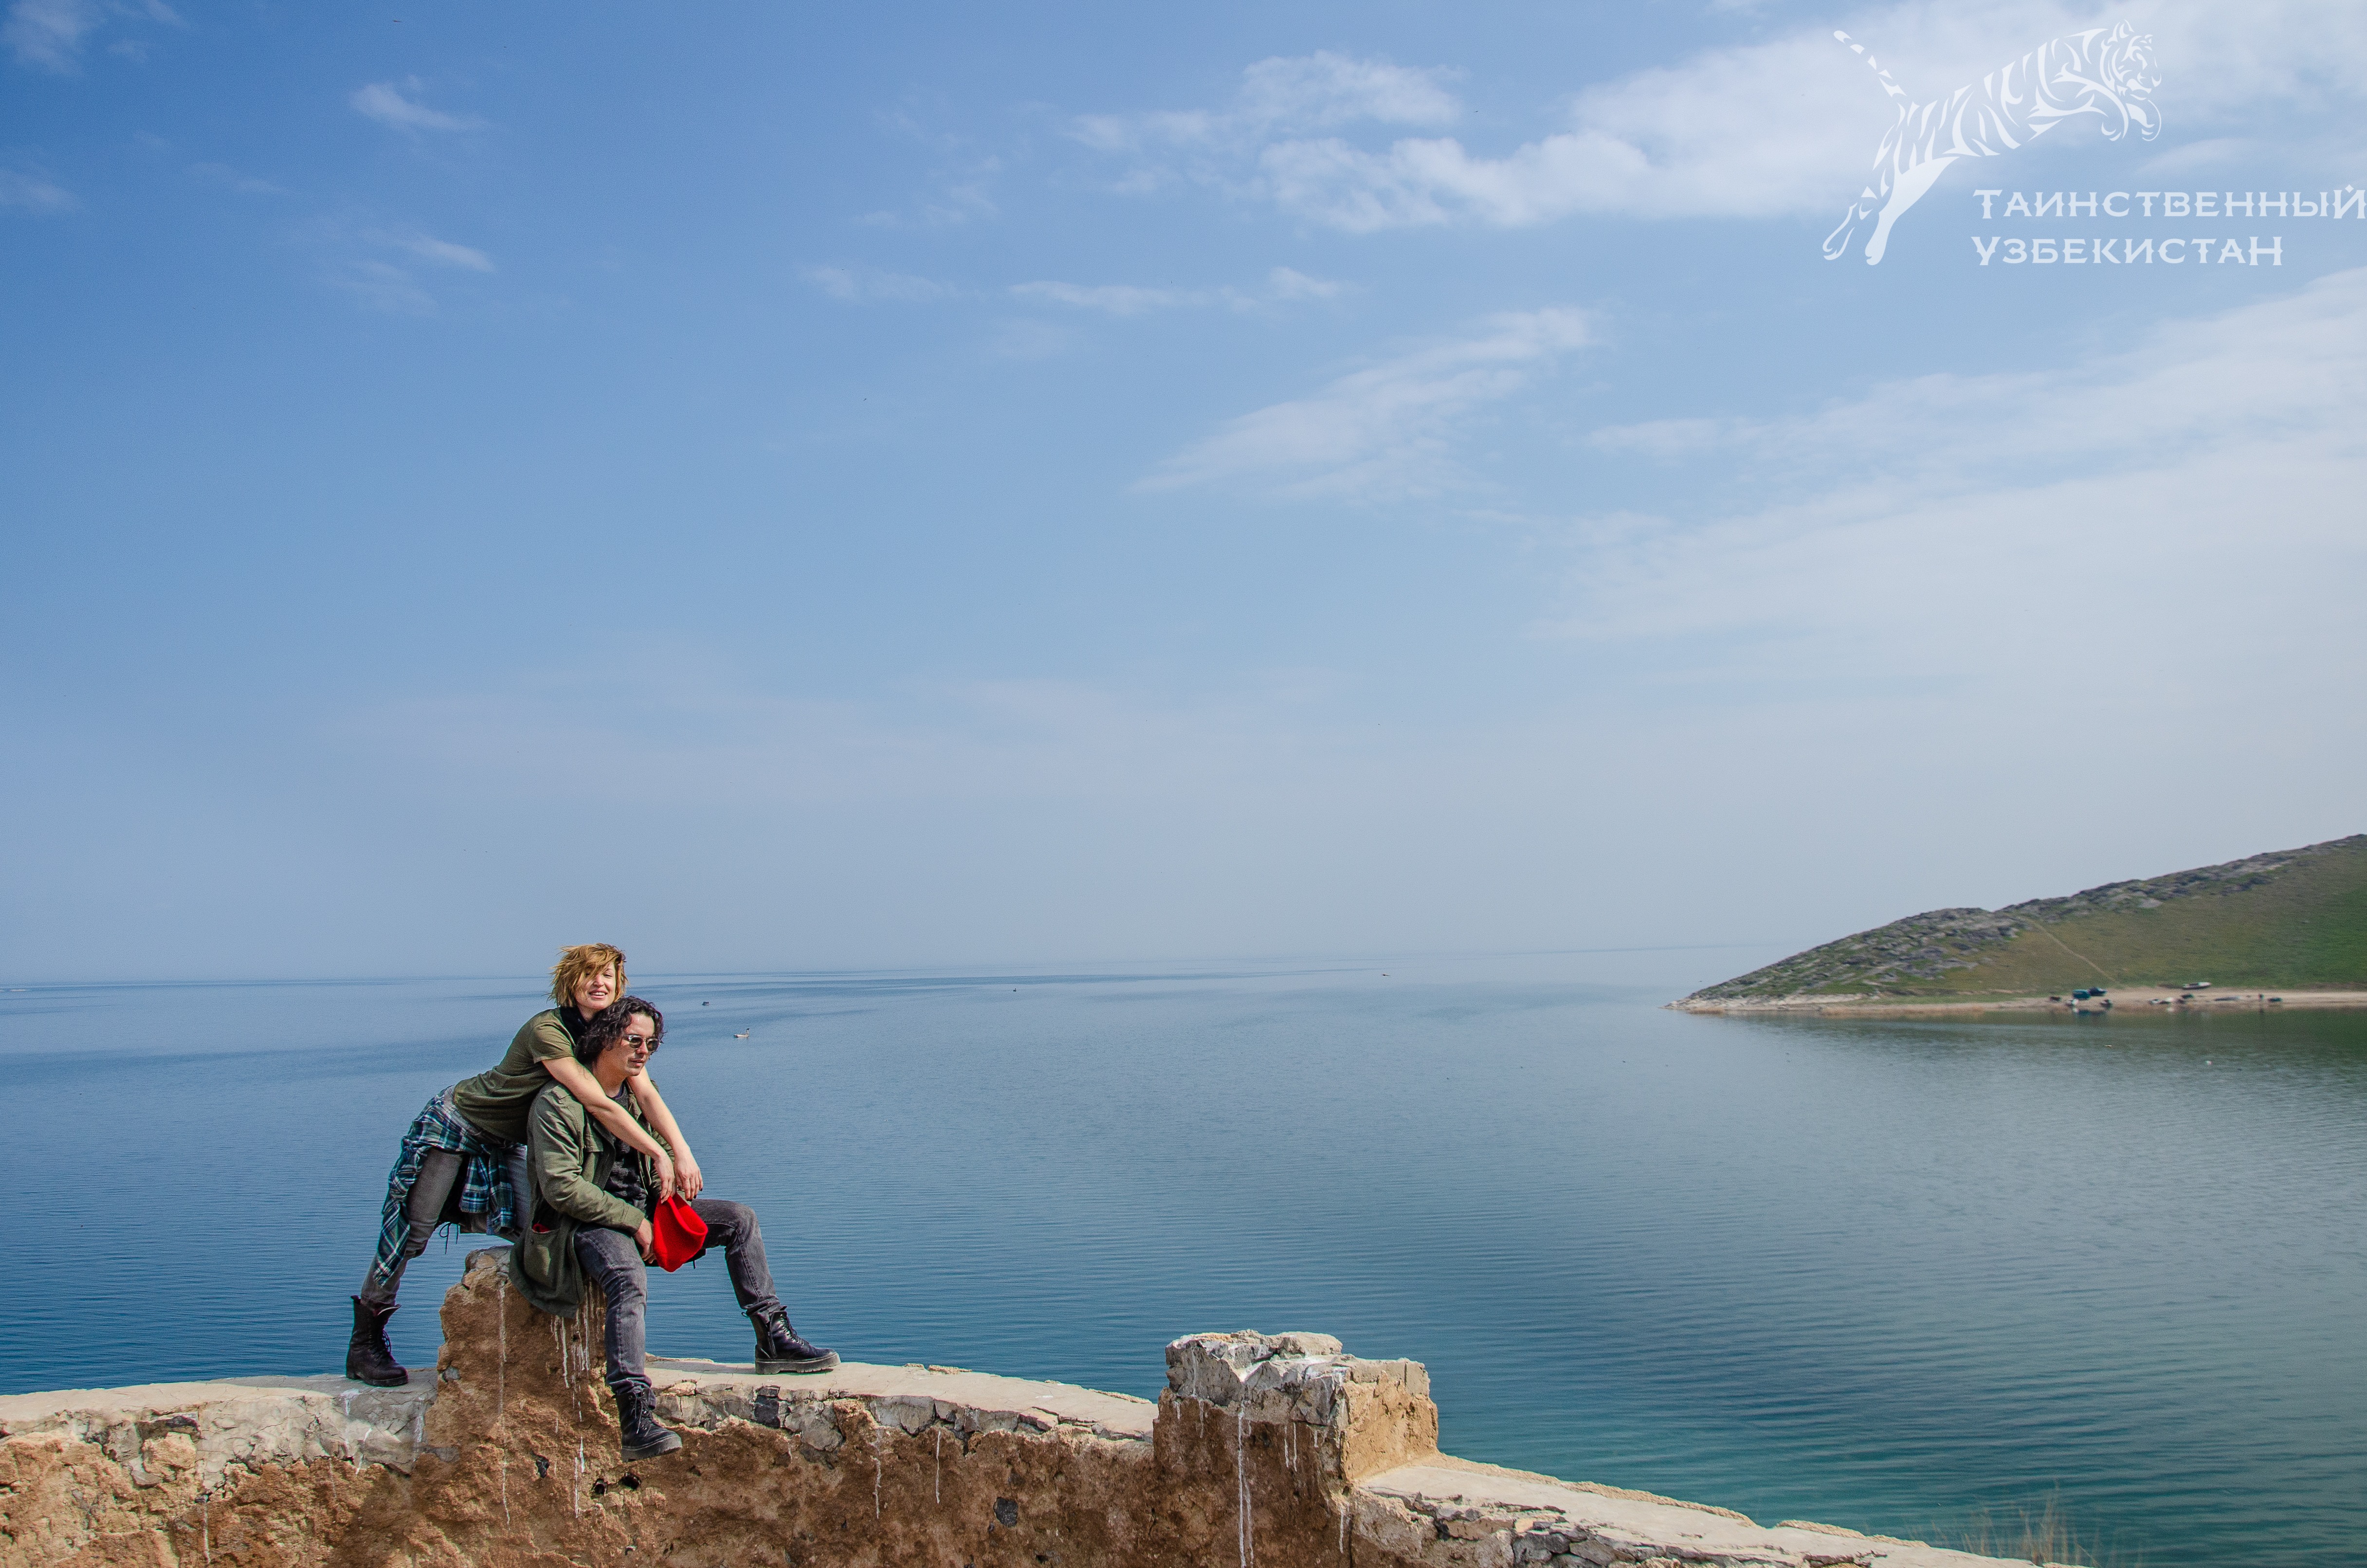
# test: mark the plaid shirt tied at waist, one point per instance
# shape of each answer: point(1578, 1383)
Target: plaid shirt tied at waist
point(483, 1196)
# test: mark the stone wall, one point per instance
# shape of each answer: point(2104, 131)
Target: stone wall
point(1276, 1449)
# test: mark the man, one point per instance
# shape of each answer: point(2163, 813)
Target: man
point(593, 1197)
point(463, 1161)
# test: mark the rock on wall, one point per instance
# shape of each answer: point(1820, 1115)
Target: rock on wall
point(1279, 1450)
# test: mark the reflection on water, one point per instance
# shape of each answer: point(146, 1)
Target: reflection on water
point(1914, 1278)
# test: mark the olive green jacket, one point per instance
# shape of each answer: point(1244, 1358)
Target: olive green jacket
point(571, 1158)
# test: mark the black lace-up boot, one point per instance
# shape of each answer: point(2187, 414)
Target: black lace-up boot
point(778, 1348)
point(370, 1358)
point(639, 1435)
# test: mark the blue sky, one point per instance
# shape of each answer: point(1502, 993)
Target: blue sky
point(777, 487)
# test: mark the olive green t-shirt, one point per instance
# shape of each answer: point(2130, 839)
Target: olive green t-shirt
point(496, 1103)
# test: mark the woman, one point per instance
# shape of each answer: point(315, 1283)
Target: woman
point(463, 1162)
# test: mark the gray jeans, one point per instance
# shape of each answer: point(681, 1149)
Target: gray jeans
point(615, 1264)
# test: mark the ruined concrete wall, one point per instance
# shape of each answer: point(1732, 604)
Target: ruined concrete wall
point(172, 1472)
point(1280, 1451)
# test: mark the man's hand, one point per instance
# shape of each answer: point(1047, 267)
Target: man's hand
point(667, 1177)
point(646, 1238)
point(689, 1181)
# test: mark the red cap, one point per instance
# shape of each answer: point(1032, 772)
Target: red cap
point(680, 1234)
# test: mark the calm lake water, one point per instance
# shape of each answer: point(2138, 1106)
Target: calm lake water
point(1916, 1279)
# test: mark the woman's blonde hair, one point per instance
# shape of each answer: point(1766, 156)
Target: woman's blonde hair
point(577, 964)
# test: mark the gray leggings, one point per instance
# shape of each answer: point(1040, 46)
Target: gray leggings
point(439, 1170)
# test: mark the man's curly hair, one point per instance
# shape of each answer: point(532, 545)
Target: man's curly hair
point(608, 1026)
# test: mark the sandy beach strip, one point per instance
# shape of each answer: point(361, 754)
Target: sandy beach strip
point(2146, 999)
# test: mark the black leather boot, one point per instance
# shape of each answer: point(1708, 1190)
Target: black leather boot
point(638, 1432)
point(778, 1348)
point(370, 1358)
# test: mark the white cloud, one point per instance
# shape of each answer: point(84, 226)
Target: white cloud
point(962, 199)
point(2261, 373)
point(48, 33)
point(1283, 285)
point(1724, 133)
point(960, 186)
point(385, 102)
point(390, 268)
point(1392, 426)
point(429, 249)
point(1027, 340)
point(247, 184)
point(2167, 529)
point(382, 285)
point(1330, 90)
point(960, 196)
point(1725, 129)
point(856, 283)
point(1113, 298)
point(1289, 283)
point(1308, 91)
point(33, 193)
point(1787, 125)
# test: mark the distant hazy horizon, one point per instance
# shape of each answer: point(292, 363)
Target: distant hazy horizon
point(1644, 974)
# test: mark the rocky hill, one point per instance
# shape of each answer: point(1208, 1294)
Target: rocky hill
point(2294, 919)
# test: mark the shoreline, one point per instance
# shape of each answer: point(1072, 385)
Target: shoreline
point(2146, 1000)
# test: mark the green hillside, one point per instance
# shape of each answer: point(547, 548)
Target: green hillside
point(2294, 920)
